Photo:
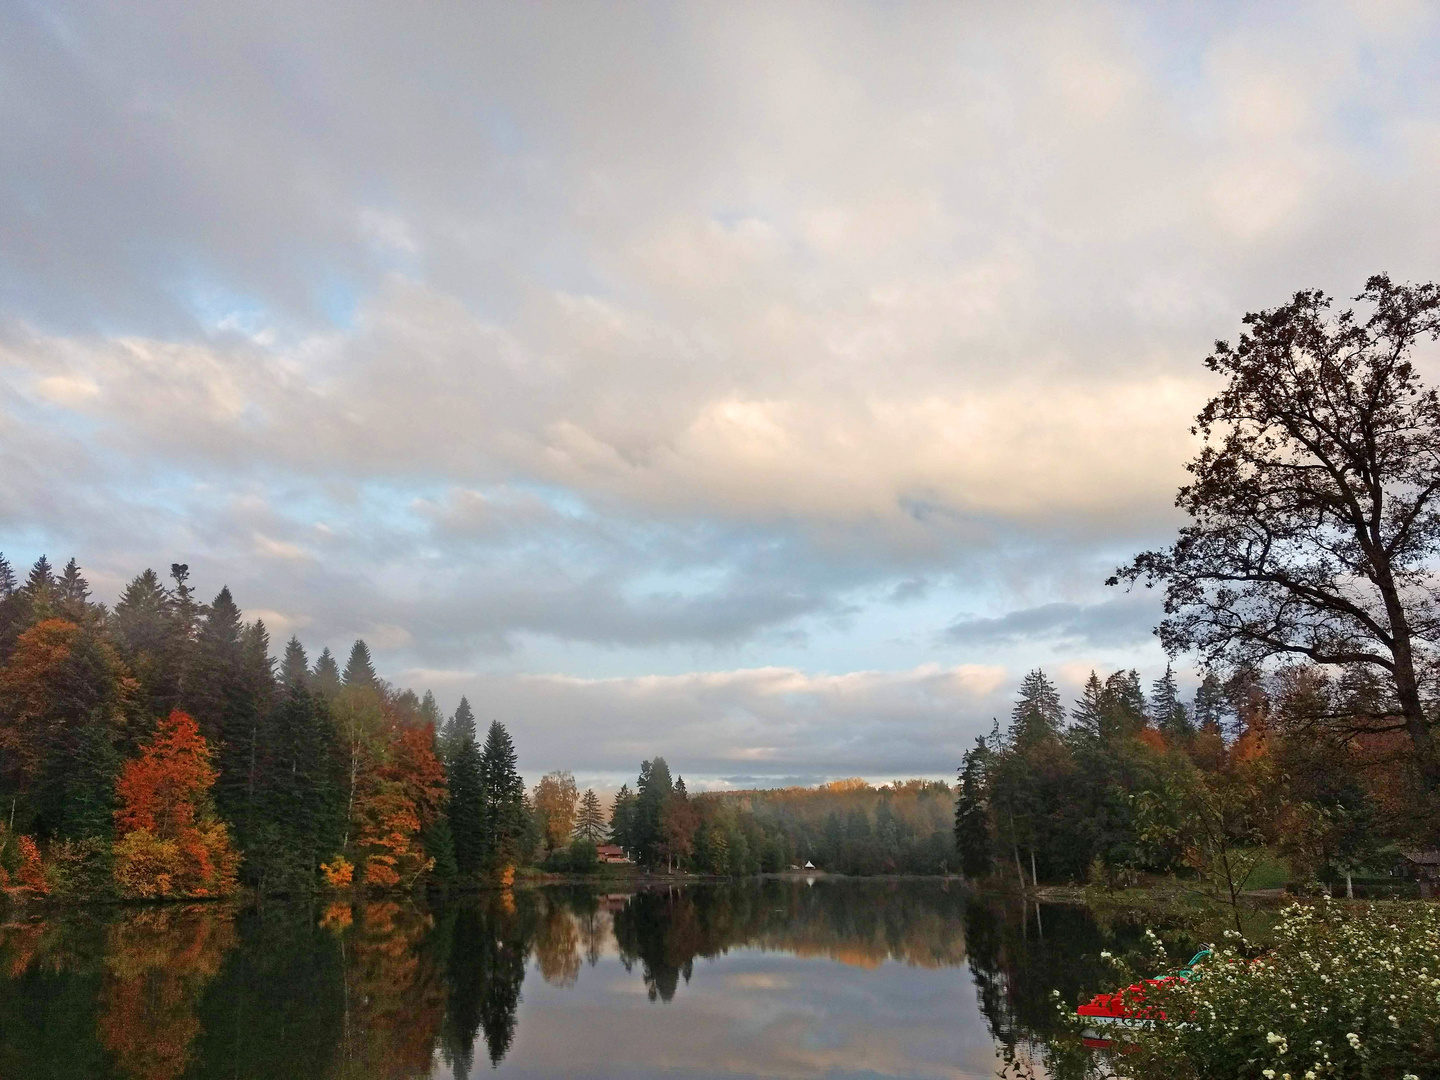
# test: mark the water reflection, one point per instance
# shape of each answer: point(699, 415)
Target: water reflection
point(773, 978)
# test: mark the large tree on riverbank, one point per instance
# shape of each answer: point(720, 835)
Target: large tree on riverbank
point(1314, 529)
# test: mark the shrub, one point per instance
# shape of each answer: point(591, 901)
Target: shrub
point(1347, 992)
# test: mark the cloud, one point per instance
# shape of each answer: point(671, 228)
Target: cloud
point(657, 340)
point(780, 724)
point(1123, 621)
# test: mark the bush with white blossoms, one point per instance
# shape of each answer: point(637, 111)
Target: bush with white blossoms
point(1347, 991)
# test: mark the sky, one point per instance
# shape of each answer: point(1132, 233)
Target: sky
point(767, 387)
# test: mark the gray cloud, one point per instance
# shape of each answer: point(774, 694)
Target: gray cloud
point(656, 338)
point(1124, 621)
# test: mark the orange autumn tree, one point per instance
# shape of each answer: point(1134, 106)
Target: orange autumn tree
point(170, 841)
point(405, 794)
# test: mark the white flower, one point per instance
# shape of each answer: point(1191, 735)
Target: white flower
point(1269, 1074)
point(1272, 1038)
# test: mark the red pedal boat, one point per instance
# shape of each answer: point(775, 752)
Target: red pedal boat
point(1127, 1008)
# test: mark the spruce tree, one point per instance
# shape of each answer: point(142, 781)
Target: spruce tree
point(972, 816)
point(590, 824)
point(1038, 714)
point(326, 679)
point(295, 665)
point(430, 712)
point(359, 670)
point(1088, 716)
point(651, 790)
point(144, 630)
point(622, 820)
point(41, 580)
point(1171, 716)
point(465, 773)
point(503, 801)
point(7, 578)
point(72, 588)
point(221, 696)
point(1211, 704)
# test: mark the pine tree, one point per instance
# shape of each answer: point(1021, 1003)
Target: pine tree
point(360, 671)
point(622, 819)
point(222, 697)
point(1038, 714)
point(1088, 716)
point(503, 802)
point(7, 578)
point(430, 712)
point(326, 679)
point(295, 665)
point(1211, 704)
point(651, 790)
point(465, 772)
point(72, 588)
point(1171, 716)
point(41, 579)
point(590, 824)
point(144, 629)
point(972, 816)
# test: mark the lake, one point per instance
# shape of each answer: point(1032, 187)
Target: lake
point(774, 978)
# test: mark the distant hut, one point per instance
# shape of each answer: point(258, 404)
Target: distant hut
point(611, 853)
point(1420, 866)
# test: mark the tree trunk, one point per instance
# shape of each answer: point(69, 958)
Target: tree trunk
point(1034, 880)
point(1018, 870)
point(1349, 887)
point(1407, 686)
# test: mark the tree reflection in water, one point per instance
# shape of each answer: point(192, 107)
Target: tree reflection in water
point(388, 988)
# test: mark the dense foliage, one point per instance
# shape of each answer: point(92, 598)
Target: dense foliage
point(1126, 783)
point(157, 749)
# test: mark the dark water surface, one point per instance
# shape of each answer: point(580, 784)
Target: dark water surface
point(775, 978)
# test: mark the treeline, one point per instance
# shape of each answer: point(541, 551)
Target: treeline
point(160, 749)
point(1124, 782)
point(845, 827)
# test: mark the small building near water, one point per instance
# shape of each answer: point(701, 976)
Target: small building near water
point(611, 853)
point(1420, 866)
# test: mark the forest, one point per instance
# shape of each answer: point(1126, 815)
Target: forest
point(1123, 783)
point(159, 749)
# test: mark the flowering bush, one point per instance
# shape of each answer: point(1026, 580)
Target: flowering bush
point(1347, 991)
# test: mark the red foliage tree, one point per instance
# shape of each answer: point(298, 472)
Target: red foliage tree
point(170, 842)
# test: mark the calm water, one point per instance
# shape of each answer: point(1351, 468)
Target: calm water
point(772, 978)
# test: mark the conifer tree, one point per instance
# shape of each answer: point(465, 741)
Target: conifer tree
point(652, 790)
point(72, 588)
point(295, 665)
point(1038, 714)
point(359, 670)
point(1171, 716)
point(503, 801)
point(590, 824)
point(326, 679)
point(1088, 715)
point(467, 792)
point(221, 696)
point(1211, 704)
point(42, 578)
point(7, 578)
point(430, 712)
point(145, 631)
point(972, 816)
point(622, 819)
